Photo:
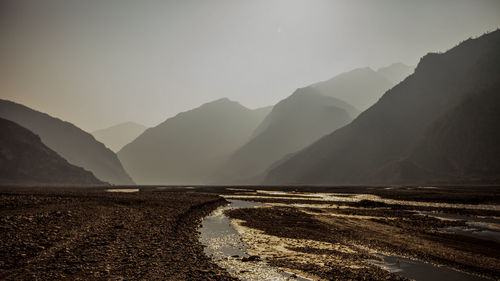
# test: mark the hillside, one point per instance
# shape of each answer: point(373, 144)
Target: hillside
point(294, 123)
point(24, 159)
point(188, 148)
point(360, 87)
point(73, 144)
point(423, 111)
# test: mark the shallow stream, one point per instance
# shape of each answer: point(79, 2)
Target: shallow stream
point(226, 247)
point(417, 270)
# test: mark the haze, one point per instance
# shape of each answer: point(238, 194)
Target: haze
point(99, 63)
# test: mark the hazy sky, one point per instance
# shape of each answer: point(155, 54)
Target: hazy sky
point(97, 63)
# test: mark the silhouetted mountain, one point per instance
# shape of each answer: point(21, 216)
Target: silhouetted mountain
point(118, 136)
point(24, 159)
point(360, 87)
point(73, 144)
point(188, 148)
point(440, 125)
point(460, 147)
point(396, 72)
point(294, 123)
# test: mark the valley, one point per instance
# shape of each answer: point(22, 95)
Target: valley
point(276, 140)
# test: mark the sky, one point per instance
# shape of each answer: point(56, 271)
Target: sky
point(97, 63)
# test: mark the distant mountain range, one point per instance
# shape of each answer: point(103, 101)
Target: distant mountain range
point(362, 87)
point(189, 147)
point(438, 126)
point(116, 137)
point(174, 153)
point(24, 159)
point(307, 115)
point(75, 145)
point(396, 72)
point(294, 123)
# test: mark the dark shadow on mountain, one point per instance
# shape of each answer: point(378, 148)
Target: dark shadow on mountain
point(25, 160)
point(437, 126)
point(73, 144)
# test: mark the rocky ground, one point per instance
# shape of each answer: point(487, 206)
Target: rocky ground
point(64, 234)
point(366, 227)
point(91, 234)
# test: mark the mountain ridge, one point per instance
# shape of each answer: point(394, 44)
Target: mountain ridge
point(187, 148)
point(117, 136)
point(294, 123)
point(75, 145)
point(387, 130)
point(360, 87)
point(24, 159)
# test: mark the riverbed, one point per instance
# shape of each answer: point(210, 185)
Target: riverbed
point(244, 229)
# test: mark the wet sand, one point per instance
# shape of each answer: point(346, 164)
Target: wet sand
point(365, 228)
point(224, 245)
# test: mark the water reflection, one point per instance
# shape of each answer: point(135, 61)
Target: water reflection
point(224, 245)
point(417, 270)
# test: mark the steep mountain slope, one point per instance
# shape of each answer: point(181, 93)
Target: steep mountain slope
point(396, 72)
point(407, 121)
point(73, 144)
point(360, 87)
point(460, 147)
point(188, 148)
point(24, 159)
point(294, 123)
point(118, 136)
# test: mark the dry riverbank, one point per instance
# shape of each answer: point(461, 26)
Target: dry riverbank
point(152, 234)
point(64, 234)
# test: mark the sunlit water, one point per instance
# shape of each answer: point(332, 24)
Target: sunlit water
point(487, 228)
point(421, 271)
point(126, 190)
point(224, 245)
point(483, 228)
point(345, 197)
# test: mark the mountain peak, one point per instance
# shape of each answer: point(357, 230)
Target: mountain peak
point(360, 87)
point(186, 148)
point(222, 103)
point(394, 143)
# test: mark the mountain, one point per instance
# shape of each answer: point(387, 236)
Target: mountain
point(262, 112)
point(24, 159)
point(118, 136)
point(360, 87)
point(396, 72)
point(188, 148)
point(437, 126)
point(460, 147)
point(73, 144)
point(294, 123)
